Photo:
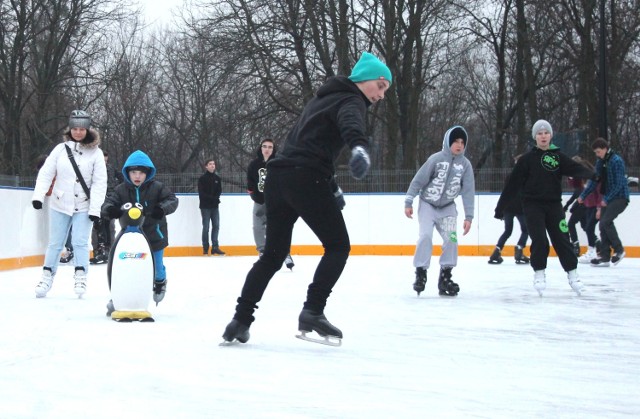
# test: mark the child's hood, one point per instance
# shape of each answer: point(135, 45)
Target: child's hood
point(138, 158)
point(452, 134)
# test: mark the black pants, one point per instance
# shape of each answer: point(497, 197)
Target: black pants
point(508, 229)
point(292, 193)
point(608, 233)
point(578, 215)
point(543, 218)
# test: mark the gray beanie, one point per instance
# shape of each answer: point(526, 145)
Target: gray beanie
point(79, 119)
point(540, 125)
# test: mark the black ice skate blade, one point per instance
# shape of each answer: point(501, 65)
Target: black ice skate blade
point(326, 340)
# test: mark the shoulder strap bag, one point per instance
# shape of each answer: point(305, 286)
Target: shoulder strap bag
point(75, 168)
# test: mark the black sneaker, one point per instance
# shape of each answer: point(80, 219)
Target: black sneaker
point(617, 257)
point(217, 251)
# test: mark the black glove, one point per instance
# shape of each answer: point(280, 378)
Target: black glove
point(94, 218)
point(157, 212)
point(339, 199)
point(114, 212)
point(37, 204)
point(359, 163)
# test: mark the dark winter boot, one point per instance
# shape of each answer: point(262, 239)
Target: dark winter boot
point(236, 331)
point(205, 250)
point(310, 321)
point(519, 256)
point(445, 285)
point(496, 258)
point(421, 280)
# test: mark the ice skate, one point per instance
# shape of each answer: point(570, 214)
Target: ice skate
point(66, 256)
point(80, 279)
point(110, 308)
point(235, 332)
point(519, 256)
point(539, 281)
point(575, 282)
point(159, 290)
point(599, 263)
point(45, 283)
point(496, 257)
point(309, 321)
point(446, 286)
point(421, 280)
point(101, 256)
point(288, 261)
point(617, 257)
point(588, 255)
point(576, 248)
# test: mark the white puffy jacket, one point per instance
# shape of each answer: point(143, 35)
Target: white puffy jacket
point(68, 196)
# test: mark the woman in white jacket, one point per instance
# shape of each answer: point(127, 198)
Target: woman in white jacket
point(69, 205)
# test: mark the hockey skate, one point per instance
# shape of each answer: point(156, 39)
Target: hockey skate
point(159, 290)
point(235, 332)
point(288, 261)
point(66, 256)
point(308, 322)
point(496, 257)
point(574, 282)
point(446, 286)
point(617, 257)
point(588, 256)
point(101, 256)
point(421, 280)
point(45, 283)
point(519, 256)
point(599, 263)
point(80, 278)
point(539, 281)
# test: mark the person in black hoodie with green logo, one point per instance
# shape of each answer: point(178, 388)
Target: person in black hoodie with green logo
point(537, 175)
point(301, 184)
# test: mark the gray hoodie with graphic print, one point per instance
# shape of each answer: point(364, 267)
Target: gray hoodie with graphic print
point(444, 176)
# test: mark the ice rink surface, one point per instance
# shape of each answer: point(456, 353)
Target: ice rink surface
point(495, 351)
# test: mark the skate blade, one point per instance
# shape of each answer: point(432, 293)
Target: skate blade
point(325, 340)
point(234, 342)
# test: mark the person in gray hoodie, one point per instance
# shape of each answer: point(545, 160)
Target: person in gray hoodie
point(445, 175)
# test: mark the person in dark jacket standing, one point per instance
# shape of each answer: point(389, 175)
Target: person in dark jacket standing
point(157, 201)
point(614, 188)
point(537, 176)
point(209, 191)
point(256, 175)
point(301, 184)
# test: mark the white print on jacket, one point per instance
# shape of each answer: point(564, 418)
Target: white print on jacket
point(262, 175)
point(439, 182)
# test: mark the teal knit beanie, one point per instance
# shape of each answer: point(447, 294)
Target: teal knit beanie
point(369, 67)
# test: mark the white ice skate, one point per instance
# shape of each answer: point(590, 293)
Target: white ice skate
point(588, 256)
point(539, 281)
point(45, 283)
point(80, 278)
point(574, 282)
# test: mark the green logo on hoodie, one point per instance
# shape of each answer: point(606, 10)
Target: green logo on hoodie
point(563, 226)
point(550, 161)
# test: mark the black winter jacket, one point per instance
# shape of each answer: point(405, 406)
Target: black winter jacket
point(333, 118)
point(537, 176)
point(256, 175)
point(149, 194)
point(209, 190)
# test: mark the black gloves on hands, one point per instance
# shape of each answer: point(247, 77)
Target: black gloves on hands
point(114, 212)
point(339, 199)
point(94, 218)
point(157, 212)
point(359, 162)
point(37, 204)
